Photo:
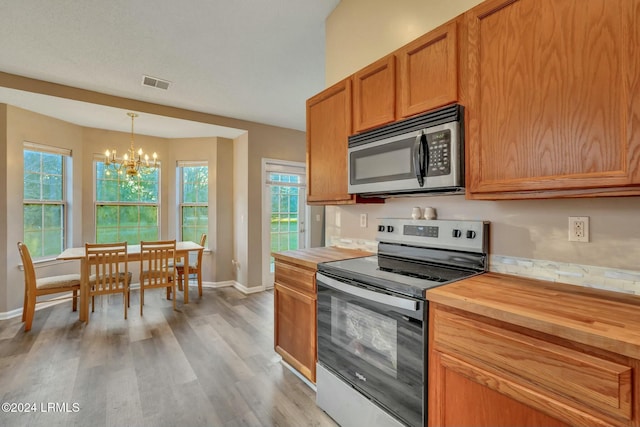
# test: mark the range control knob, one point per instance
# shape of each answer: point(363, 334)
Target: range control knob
point(390, 228)
point(381, 228)
point(471, 234)
point(456, 233)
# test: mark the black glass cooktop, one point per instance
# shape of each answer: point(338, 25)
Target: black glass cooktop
point(411, 278)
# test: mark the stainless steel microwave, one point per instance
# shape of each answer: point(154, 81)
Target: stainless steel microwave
point(418, 155)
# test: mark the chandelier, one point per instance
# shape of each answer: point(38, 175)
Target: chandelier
point(132, 160)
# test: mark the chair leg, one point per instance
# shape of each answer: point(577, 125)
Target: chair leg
point(173, 287)
point(126, 302)
point(31, 308)
point(180, 287)
point(93, 303)
point(200, 284)
point(75, 300)
point(141, 298)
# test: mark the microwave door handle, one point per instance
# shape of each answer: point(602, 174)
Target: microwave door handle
point(418, 158)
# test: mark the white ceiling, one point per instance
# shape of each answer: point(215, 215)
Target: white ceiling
point(253, 60)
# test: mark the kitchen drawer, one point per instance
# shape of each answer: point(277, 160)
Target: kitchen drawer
point(549, 368)
point(295, 277)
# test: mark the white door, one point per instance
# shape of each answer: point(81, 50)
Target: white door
point(284, 211)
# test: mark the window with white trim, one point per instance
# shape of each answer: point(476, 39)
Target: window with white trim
point(44, 199)
point(194, 200)
point(126, 207)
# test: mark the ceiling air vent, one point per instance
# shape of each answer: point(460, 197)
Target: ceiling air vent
point(154, 82)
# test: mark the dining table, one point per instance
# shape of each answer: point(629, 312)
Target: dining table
point(133, 254)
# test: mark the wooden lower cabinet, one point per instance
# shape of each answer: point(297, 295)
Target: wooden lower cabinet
point(484, 372)
point(462, 401)
point(295, 329)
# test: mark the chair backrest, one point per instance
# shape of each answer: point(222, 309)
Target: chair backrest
point(197, 257)
point(108, 266)
point(27, 263)
point(156, 262)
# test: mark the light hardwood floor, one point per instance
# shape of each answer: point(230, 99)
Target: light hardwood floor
point(211, 363)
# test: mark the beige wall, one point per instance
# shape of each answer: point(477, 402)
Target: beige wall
point(4, 206)
point(241, 209)
point(21, 126)
point(529, 229)
point(224, 222)
point(358, 32)
point(282, 145)
point(534, 229)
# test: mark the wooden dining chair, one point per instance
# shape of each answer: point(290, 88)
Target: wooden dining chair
point(108, 271)
point(193, 269)
point(157, 260)
point(33, 287)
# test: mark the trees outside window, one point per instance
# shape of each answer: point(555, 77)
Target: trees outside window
point(44, 203)
point(194, 201)
point(126, 206)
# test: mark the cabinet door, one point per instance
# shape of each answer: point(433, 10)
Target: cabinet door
point(328, 127)
point(428, 71)
point(295, 329)
point(553, 107)
point(374, 94)
point(456, 400)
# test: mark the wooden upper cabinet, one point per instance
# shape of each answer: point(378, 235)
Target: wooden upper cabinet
point(328, 129)
point(374, 94)
point(428, 71)
point(553, 105)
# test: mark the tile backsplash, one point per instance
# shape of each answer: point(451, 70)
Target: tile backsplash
point(617, 280)
point(627, 281)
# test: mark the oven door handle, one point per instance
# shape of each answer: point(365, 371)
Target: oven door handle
point(378, 297)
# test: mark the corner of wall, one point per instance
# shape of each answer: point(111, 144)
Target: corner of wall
point(3, 207)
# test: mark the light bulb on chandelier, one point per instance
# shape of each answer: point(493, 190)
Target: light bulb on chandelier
point(131, 161)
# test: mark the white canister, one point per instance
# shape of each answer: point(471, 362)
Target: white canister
point(430, 213)
point(416, 213)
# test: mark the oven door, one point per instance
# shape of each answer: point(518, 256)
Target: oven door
point(374, 341)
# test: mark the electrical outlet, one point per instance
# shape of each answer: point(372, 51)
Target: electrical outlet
point(578, 228)
point(363, 220)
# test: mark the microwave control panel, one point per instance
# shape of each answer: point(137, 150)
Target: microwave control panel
point(439, 146)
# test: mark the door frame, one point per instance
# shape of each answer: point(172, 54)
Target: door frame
point(285, 166)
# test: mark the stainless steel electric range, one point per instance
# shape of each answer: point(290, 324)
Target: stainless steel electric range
point(373, 319)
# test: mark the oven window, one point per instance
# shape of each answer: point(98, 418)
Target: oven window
point(365, 334)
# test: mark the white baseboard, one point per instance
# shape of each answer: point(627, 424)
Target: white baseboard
point(11, 314)
point(41, 304)
point(214, 285)
point(252, 290)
